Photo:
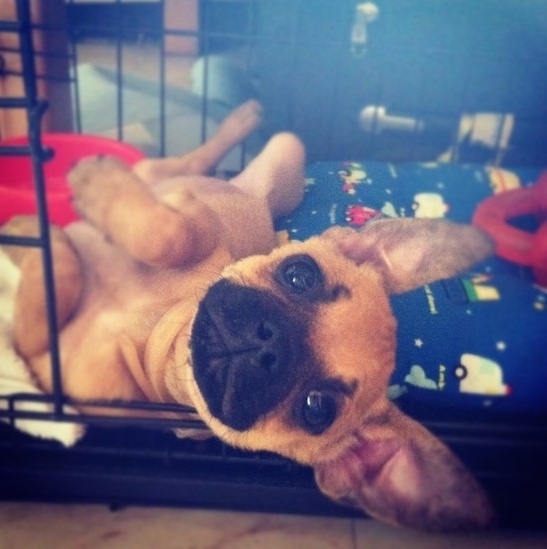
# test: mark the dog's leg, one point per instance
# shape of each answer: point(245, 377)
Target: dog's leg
point(237, 126)
point(30, 331)
point(112, 198)
point(276, 175)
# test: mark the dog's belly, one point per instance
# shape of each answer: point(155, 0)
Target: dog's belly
point(92, 361)
point(118, 355)
point(107, 342)
point(246, 221)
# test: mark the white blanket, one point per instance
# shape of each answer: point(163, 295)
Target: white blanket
point(15, 377)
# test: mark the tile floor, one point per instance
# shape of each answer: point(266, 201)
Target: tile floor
point(43, 526)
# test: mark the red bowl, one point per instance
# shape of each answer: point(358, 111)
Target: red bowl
point(17, 194)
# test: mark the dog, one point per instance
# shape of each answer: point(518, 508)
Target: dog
point(173, 289)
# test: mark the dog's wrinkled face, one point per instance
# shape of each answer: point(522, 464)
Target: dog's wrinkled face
point(291, 351)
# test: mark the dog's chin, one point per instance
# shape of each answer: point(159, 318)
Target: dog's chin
point(269, 434)
point(237, 439)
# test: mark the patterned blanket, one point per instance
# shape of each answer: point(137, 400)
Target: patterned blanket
point(475, 344)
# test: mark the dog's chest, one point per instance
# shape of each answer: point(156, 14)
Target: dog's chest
point(113, 281)
point(125, 301)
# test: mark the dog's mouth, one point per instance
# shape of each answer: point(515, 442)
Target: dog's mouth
point(243, 350)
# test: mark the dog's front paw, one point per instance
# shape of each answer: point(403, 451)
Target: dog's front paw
point(241, 122)
point(95, 182)
point(94, 170)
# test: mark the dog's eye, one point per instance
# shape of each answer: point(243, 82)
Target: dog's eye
point(318, 412)
point(300, 274)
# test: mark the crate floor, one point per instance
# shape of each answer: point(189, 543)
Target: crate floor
point(89, 526)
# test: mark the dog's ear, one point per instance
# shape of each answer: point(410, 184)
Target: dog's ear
point(412, 252)
point(398, 472)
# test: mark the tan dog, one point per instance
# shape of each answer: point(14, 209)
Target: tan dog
point(172, 290)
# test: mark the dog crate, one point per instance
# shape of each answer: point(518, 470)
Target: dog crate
point(391, 80)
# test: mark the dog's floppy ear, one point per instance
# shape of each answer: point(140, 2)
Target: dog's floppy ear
point(394, 468)
point(412, 252)
point(398, 472)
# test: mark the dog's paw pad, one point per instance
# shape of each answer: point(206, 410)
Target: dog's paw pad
point(95, 182)
point(94, 169)
point(242, 121)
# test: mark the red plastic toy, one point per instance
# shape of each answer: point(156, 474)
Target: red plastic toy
point(17, 193)
point(525, 248)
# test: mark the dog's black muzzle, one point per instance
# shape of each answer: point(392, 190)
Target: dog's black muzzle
point(244, 347)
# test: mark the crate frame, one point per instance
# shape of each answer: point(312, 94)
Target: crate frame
point(136, 462)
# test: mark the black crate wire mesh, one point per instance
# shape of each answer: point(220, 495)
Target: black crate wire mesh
point(354, 82)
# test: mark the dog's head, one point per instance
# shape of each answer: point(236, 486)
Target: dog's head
point(292, 353)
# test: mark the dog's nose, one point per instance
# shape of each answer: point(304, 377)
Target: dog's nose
point(269, 347)
point(242, 352)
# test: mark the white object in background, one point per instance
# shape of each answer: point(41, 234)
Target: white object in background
point(489, 129)
point(365, 13)
point(14, 375)
point(374, 119)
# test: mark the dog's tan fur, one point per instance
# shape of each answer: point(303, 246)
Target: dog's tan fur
point(335, 341)
point(130, 278)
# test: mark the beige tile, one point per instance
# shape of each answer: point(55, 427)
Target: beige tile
point(37, 526)
point(371, 534)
